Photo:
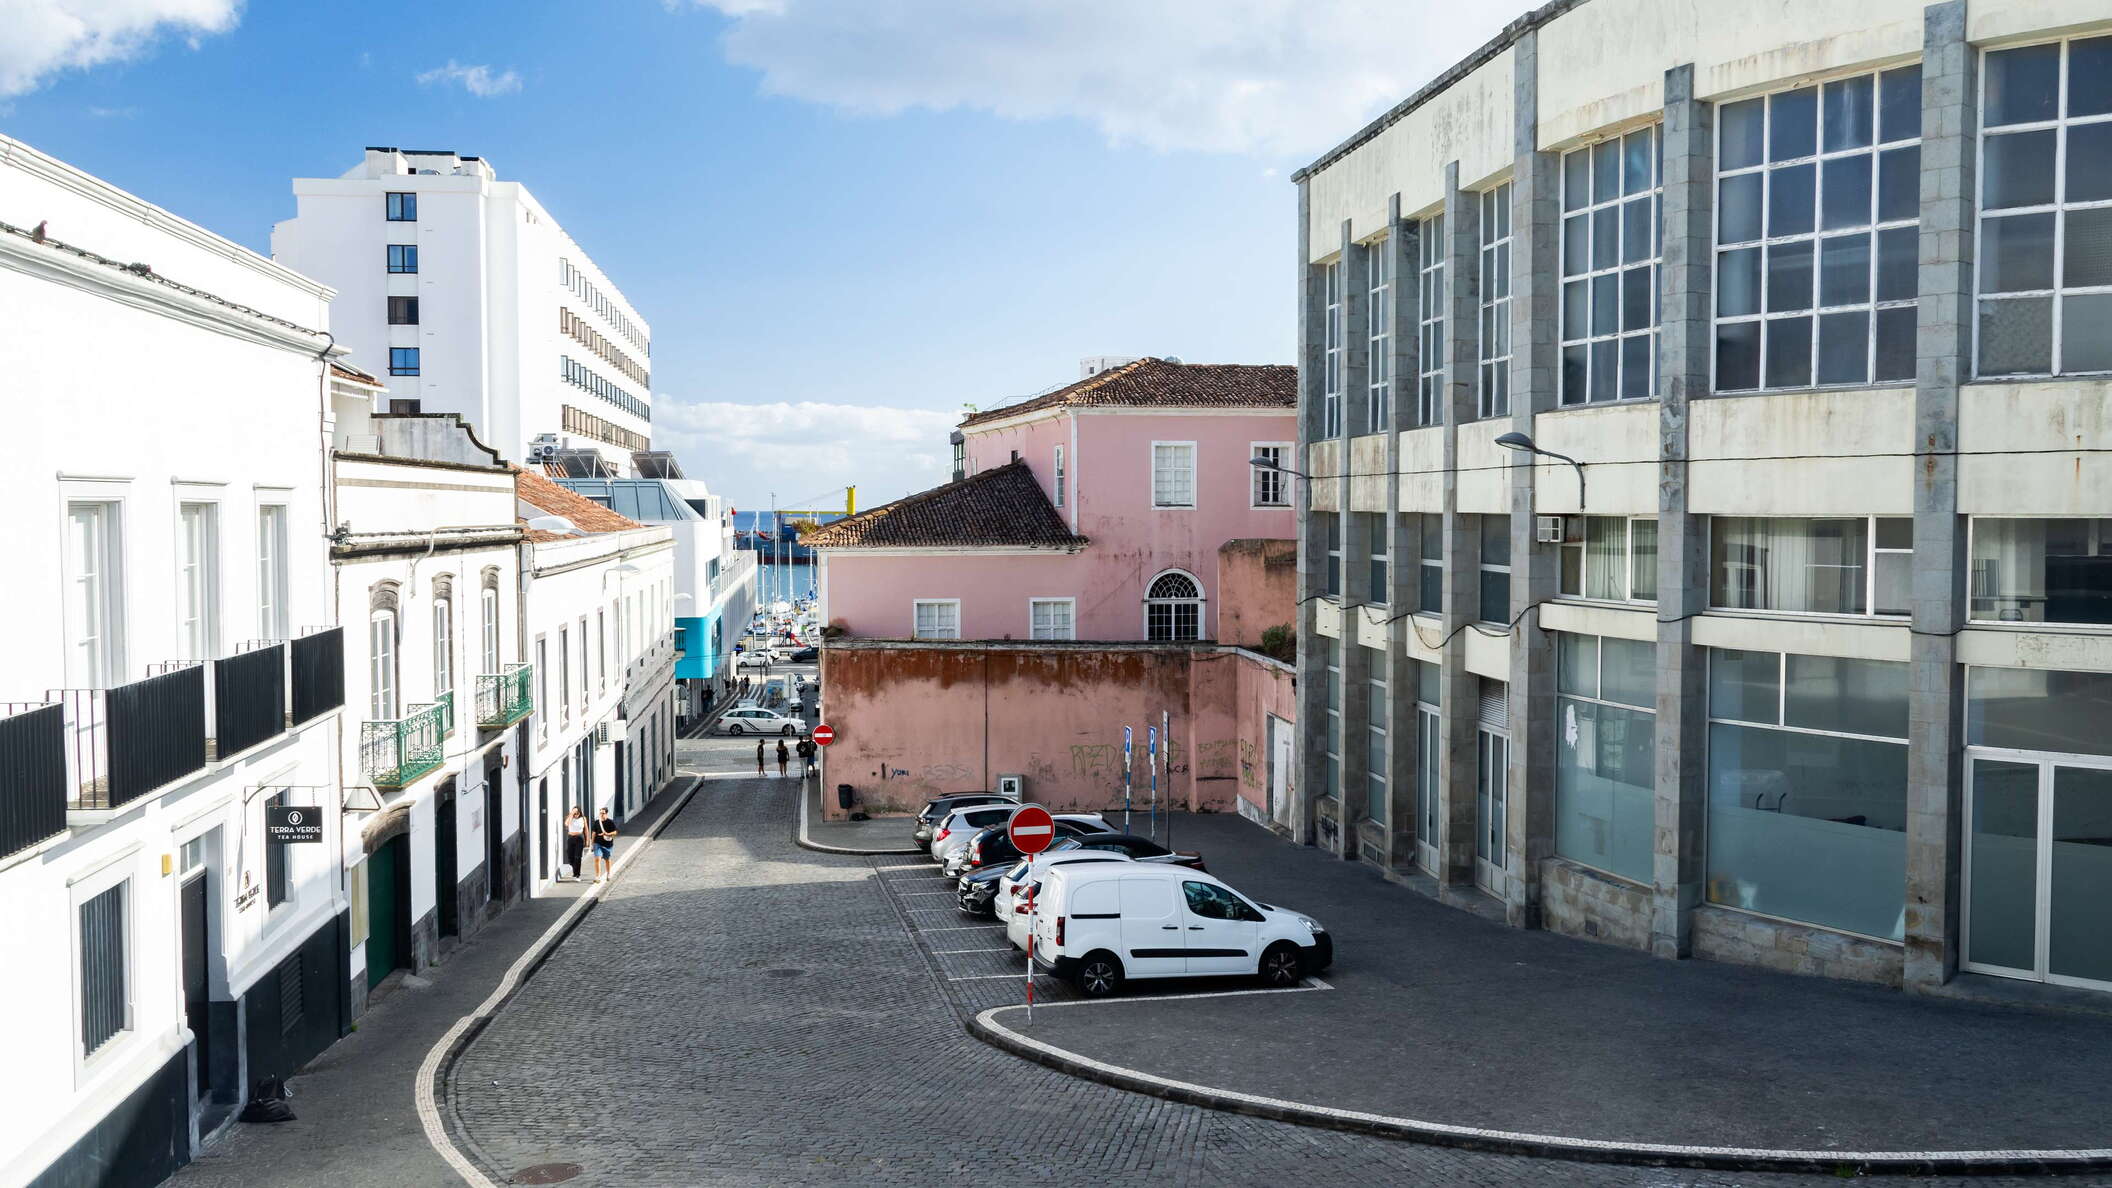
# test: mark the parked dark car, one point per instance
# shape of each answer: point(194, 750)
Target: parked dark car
point(935, 811)
point(993, 846)
point(806, 655)
point(978, 888)
point(1143, 849)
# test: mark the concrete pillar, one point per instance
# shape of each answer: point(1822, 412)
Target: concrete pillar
point(1534, 279)
point(1310, 774)
point(1682, 538)
point(1461, 692)
point(1935, 681)
point(1355, 690)
point(1401, 554)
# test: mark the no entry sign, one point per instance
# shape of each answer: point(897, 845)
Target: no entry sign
point(824, 734)
point(1031, 828)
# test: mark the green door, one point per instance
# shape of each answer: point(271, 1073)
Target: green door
point(382, 940)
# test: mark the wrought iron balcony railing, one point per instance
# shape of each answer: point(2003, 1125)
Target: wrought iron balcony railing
point(396, 752)
point(504, 698)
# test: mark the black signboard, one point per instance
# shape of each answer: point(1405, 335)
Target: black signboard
point(293, 823)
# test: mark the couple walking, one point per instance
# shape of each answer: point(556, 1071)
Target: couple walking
point(577, 831)
point(784, 756)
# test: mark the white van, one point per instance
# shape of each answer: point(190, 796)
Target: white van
point(1099, 924)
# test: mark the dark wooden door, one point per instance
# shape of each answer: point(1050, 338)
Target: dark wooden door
point(445, 861)
point(197, 981)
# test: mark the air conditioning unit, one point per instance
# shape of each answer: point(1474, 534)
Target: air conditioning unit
point(1012, 786)
point(1547, 529)
point(611, 732)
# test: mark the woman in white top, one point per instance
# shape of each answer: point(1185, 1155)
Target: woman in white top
point(575, 838)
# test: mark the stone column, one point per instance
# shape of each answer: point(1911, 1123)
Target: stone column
point(1401, 552)
point(1682, 538)
point(1534, 316)
point(1310, 774)
point(1461, 691)
point(1935, 681)
point(1355, 692)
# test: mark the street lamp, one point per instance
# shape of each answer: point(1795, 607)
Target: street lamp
point(1519, 441)
point(1264, 462)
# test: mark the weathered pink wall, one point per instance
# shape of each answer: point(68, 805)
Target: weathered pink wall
point(1257, 588)
point(914, 721)
point(1110, 490)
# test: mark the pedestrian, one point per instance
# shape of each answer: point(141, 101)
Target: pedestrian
point(759, 757)
point(575, 838)
point(604, 844)
point(806, 753)
point(783, 757)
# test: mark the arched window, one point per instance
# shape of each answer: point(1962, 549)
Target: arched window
point(382, 703)
point(1173, 608)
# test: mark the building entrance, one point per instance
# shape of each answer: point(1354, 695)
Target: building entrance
point(2038, 861)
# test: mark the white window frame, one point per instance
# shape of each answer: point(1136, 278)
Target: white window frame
point(1584, 339)
point(916, 607)
point(1378, 331)
point(106, 599)
point(1582, 546)
point(1430, 322)
point(273, 616)
point(1816, 312)
point(443, 646)
point(1070, 617)
point(1332, 284)
point(198, 579)
point(1281, 453)
point(564, 674)
point(488, 605)
point(1871, 551)
point(2060, 208)
point(1060, 477)
point(384, 697)
point(1193, 494)
point(1492, 385)
point(117, 872)
point(1377, 787)
point(1201, 603)
point(542, 686)
point(1972, 540)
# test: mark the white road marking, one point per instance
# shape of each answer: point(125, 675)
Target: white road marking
point(1010, 977)
point(961, 928)
point(953, 952)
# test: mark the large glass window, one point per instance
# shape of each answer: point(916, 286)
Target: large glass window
point(1330, 526)
point(1808, 789)
point(1375, 545)
point(1173, 608)
point(1493, 392)
point(2042, 571)
point(1613, 558)
point(1378, 321)
point(1610, 238)
point(402, 208)
point(1430, 568)
point(1430, 314)
point(1429, 748)
point(1818, 204)
point(2039, 709)
point(1495, 568)
point(1331, 382)
point(403, 257)
point(1375, 806)
point(1605, 754)
point(198, 581)
point(1858, 566)
point(2045, 247)
point(1331, 653)
point(272, 610)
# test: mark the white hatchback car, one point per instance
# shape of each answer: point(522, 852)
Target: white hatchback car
point(1101, 925)
point(751, 719)
point(960, 826)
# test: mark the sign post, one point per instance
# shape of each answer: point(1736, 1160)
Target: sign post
point(1151, 757)
point(1125, 779)
point(1031, 829)
point(1166, 736)
point(824, 734)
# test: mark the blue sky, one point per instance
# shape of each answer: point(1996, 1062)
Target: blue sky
point(844, 218)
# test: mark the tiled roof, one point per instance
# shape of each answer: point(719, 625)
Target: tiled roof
point(346, 371)
point(1157, 383)
point(549, 498)
point(999, 508)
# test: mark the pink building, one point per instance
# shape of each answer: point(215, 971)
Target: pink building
point(1094, 512)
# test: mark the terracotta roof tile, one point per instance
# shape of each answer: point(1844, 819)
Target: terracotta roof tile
point(551, 499)
point(999, 508)
point(1157, 383)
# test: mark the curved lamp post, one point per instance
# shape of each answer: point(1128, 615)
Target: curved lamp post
point(1519, 441)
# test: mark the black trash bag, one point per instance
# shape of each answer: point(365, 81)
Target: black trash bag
point(270, 1104)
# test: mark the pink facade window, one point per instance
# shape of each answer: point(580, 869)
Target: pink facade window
point(1060, 476)
point(1173, 474)
point(1173, 608)
point(1272, 484)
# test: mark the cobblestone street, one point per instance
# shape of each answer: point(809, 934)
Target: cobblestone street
point(742, 1011)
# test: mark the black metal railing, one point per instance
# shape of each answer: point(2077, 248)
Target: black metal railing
point(318, 673)
point(84, 732)
point(33, 789)
point(249, 699)
point(156, 733)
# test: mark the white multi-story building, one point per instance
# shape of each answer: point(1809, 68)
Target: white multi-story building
point(476, 302)
point(168, 405)
point(597, 600)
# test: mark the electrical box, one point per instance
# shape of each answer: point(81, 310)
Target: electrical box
point(1012, 786)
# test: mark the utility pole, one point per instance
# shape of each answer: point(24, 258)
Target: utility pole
point(1166, 740)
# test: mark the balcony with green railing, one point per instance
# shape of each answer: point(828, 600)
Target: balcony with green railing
point(396, 752)
point(504, 698)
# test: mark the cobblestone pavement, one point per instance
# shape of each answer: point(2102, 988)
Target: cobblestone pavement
point(741, 1011)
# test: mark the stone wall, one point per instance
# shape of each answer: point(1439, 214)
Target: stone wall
point(1721, 935)
point(1577, 901)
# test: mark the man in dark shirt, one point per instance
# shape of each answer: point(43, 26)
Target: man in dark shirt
point(604, 844)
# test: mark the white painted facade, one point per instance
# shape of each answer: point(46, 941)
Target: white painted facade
point(517, 330)
point(190, 435)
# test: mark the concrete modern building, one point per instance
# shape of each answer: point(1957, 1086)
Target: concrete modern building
point(1806, 662)
point(597, 598)
point(477, 302)
point(714, 592)
point(427, 554)
point(162, 692)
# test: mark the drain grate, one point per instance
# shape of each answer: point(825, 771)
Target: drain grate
point(547, 1173)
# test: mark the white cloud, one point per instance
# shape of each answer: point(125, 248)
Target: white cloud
point(477, 80)
point(804, 449)
point(1269, 76)
point(41, 38)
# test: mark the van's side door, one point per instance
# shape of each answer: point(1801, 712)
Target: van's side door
point(1153, 944)
point(1222, 930)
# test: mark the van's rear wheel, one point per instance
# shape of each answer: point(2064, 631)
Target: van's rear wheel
point(1281, 967)
point(1099, 975)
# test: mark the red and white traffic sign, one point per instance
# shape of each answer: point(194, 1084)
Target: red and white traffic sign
point(824, 734)
point(1031, 828)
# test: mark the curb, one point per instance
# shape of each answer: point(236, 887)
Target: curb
point(800, 838)
point(442, 1057)
point(985, 1027)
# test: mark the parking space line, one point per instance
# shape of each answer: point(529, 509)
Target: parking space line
point(959, 928)
point(1315, 984)
point(913, 894)
point(957, 952)
point(906, 866)
point(1010, 977)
